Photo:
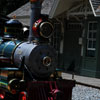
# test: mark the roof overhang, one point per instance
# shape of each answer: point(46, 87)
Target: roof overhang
point(95, 5)
point(60, 6)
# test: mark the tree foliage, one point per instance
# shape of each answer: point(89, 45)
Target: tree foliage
point(7, 6)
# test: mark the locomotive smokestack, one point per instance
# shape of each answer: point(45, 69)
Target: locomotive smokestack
point(35, 13)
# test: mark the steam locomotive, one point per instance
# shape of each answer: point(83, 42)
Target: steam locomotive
point(28, 63)
point(39, 57)
point(36, 58)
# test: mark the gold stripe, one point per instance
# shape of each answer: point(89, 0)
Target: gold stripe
point(5, 47)
point(12, 54)
point(2, 83)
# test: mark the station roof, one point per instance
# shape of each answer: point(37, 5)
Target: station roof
point(23, 13)
point(53, 8)
point(60, 6)
point(25, 9)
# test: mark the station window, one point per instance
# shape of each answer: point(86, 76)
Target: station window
point(55, 39)
point(74, 26)
point(91, 39)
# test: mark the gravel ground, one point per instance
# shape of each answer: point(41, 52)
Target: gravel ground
point(85, 93)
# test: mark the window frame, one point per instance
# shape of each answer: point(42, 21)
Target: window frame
point(91, 47)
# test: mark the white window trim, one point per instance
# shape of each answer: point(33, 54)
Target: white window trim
point(92, 39)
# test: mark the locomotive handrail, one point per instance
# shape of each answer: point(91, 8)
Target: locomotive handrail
point(29, 72)
point(8, 68)
point(23, 65)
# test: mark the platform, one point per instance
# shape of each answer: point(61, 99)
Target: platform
point(82, 79)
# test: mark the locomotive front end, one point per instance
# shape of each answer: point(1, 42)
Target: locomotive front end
point(39, 59)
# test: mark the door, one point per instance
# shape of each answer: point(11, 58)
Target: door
point(89, 61)
point(72, 46)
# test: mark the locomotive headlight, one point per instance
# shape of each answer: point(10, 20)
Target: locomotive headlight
point(46, 29)
point(43, 28)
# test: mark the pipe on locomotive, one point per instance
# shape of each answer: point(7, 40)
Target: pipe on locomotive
point(35, 13)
